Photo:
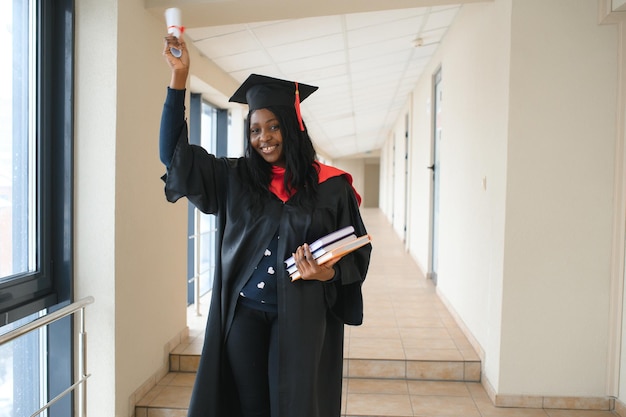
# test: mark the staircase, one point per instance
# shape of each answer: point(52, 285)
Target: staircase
point(408, 344)
point(365, 377)
point(394, 354)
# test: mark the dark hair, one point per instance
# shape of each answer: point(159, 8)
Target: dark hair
point(300, 159)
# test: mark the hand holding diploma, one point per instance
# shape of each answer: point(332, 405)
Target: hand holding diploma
point(175, 51)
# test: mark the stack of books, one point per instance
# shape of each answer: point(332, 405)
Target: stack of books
point(331, 246)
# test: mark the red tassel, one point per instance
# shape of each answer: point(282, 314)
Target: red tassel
point(297, 105)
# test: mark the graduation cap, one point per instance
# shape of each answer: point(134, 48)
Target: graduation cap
point(260, 91)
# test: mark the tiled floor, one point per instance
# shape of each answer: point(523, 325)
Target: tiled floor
point(405, 323)
point(409, 358)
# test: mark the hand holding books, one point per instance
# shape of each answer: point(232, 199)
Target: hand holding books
point(319, 257)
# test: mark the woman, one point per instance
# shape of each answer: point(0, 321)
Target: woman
point(273, 347)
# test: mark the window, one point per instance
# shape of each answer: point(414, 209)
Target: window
point(35, 156)
point(202, 228)
point(21, 365)
point(18, 146)
point(207, 230)
point(35, 200)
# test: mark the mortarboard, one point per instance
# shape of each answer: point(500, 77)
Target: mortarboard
point(260, 91)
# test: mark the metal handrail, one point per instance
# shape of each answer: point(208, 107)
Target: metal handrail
point(76, 307)
point(45, 320)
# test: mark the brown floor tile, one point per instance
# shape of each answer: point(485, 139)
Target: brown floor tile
point(152, 412)
point(431, 370)
point(376, 348)
point(172, 397)
point(183, 379)
point(373, 331)
point(378, 386)
point(442, 388)
point(379, 405)
point(433, 354)
point(439, 406)
point(376, 369)
point(413, 342)
point(150, 396)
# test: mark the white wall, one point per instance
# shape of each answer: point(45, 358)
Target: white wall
point(475, 67)
point(95, 147)
point(371, 180)
point(559, 212)
point(356, 168)
point(529, 105)
point(130, 251)
point(619, 280)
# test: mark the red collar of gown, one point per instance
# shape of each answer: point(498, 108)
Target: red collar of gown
point(325, 172)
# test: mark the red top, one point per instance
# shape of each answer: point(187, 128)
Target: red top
point(325, 172)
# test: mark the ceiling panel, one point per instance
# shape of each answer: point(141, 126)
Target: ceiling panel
point(299, 30)
point(318, 76)
point(228, 44)
point(383, 32)
point(245, 61)
point(313, 63)
point(306, 48)
point(361, 20)
point(201, 33)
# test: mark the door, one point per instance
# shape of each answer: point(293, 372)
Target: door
point(436, 170)
point(406, 177)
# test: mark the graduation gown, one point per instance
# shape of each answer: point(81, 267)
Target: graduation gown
point(311, 314)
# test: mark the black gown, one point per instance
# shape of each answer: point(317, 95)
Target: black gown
point(311, 314)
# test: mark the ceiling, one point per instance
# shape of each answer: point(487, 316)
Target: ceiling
point(366, 65)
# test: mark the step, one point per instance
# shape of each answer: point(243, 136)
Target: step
point(362, 397)
point(366, 380)
point(169, 398)
point(428, 370)
point(412, 369)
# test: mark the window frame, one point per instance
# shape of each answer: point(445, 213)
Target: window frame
point(50, 284)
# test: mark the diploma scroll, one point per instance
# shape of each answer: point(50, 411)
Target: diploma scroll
point(174, 27)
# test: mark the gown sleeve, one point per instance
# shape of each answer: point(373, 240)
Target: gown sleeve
point(191, 171)
point(344, 292)
point(172, 121)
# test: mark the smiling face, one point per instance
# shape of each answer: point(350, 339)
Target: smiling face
point(266, 137)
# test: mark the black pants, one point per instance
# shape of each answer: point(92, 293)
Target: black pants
point(252, 349)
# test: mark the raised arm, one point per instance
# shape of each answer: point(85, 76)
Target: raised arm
point(191, 171)
point(173, 116)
